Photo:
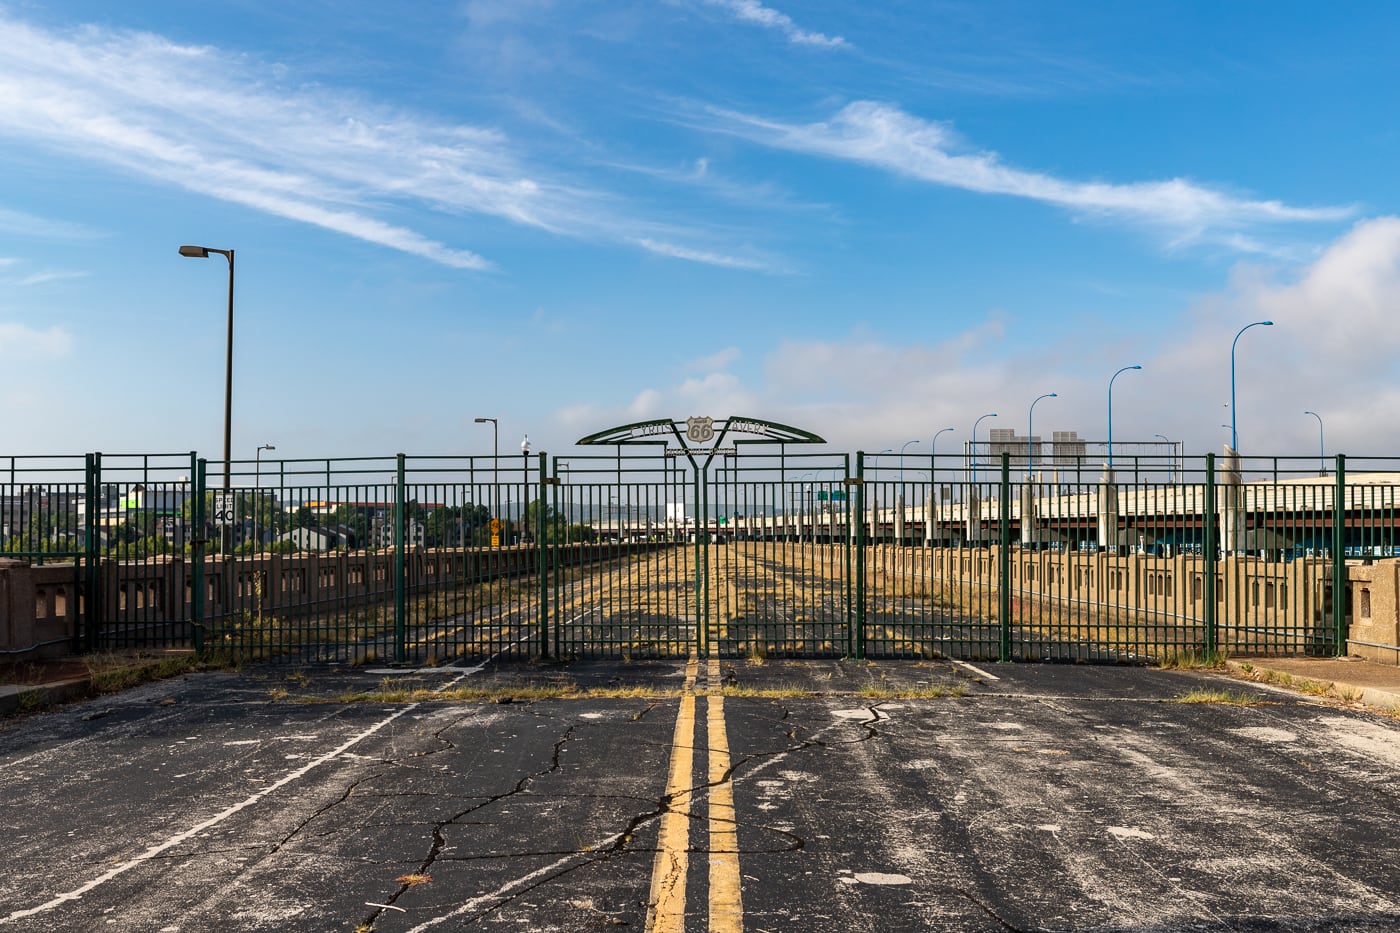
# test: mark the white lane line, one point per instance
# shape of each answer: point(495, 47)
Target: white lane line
point(195, 830)
point(516, 884)
point(976, 670)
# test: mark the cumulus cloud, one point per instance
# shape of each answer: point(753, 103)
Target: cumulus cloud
point(1334, 348)
point(887, 138)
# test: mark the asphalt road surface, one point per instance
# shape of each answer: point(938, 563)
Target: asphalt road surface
point(815, 796)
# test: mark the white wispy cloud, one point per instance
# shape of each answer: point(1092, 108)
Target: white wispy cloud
point(227, 126)
point(751, 11)
point(39, 278)
point(719, 360)
point(887, 138)
point(28, 225)
point(21, 342)
point(708, 257)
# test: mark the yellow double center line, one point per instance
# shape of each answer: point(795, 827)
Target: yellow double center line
point(671, 869)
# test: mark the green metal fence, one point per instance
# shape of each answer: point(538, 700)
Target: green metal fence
point(758, 552)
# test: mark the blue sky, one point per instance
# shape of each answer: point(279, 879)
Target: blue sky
point(868, 220)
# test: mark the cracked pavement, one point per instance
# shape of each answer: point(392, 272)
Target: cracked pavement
point(1044, 797)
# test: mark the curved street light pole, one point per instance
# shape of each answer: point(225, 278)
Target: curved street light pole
point(1030, 435)
point(1171, 458)
point(933, 462)
point(901, 466)
point(1321, 450)
point(257, 487)
point(1110, 411)
point(495, 468)
point(1234, 435)
point(202, 252)
point(973, 448)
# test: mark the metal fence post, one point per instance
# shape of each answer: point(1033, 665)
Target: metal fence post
point(197, 540)
point(1208, 547)
point(400, 518)
point(92, 550)
point(545, 550)
point(1004, 561)
point(858, 624)
point(1339, 560)
point(846, 542)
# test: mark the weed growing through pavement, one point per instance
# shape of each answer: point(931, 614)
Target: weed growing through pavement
point(1223, 697)
point(1192, 660)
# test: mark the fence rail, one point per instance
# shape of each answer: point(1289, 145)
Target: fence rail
point(767, 552)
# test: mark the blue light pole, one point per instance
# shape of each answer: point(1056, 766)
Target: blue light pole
point(901, 464)
point(1234, 435)
point(1171, 458)
point(1321, 450)
point(1110, 411)
point(973, 448)
point(1030, 435)
point(933, 461)
point(933, 444)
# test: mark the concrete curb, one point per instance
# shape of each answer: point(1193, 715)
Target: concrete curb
point(22, 698)
point(1378, 697)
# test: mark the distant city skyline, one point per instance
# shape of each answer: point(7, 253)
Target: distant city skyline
point(869, 222)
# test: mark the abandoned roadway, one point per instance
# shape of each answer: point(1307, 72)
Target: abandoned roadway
point(753, 795)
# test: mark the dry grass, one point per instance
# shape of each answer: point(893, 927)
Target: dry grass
point(1224, 697)
point(1192, 661)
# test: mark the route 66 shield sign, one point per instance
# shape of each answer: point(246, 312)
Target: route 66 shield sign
point(699, 430)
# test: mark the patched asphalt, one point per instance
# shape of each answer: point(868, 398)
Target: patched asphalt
point(889, 796)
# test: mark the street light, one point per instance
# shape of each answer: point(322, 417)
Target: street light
point(495, 467)
point(257, 486)
point(567, 509)
point(973, 448)
point(1030, 435)
point(901, 466)
point(525, 487)
point(202, 252)
point(1321, 455)
point(901, 459)
point(933, 461)
point(1171, 458)
point(1234, 435)
point(1110, 411)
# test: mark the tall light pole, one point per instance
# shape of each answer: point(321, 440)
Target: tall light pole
point(567, 510)
point(202, 252)
point(524, 486)
point(257, 487)
point(1321, 450)
point(1030, 435)
point(1234, 435)
point(901, 464)
point(933, 461)
point(1171, 458)
point(973, 448)
point(1110, 411)
point(495, 466)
